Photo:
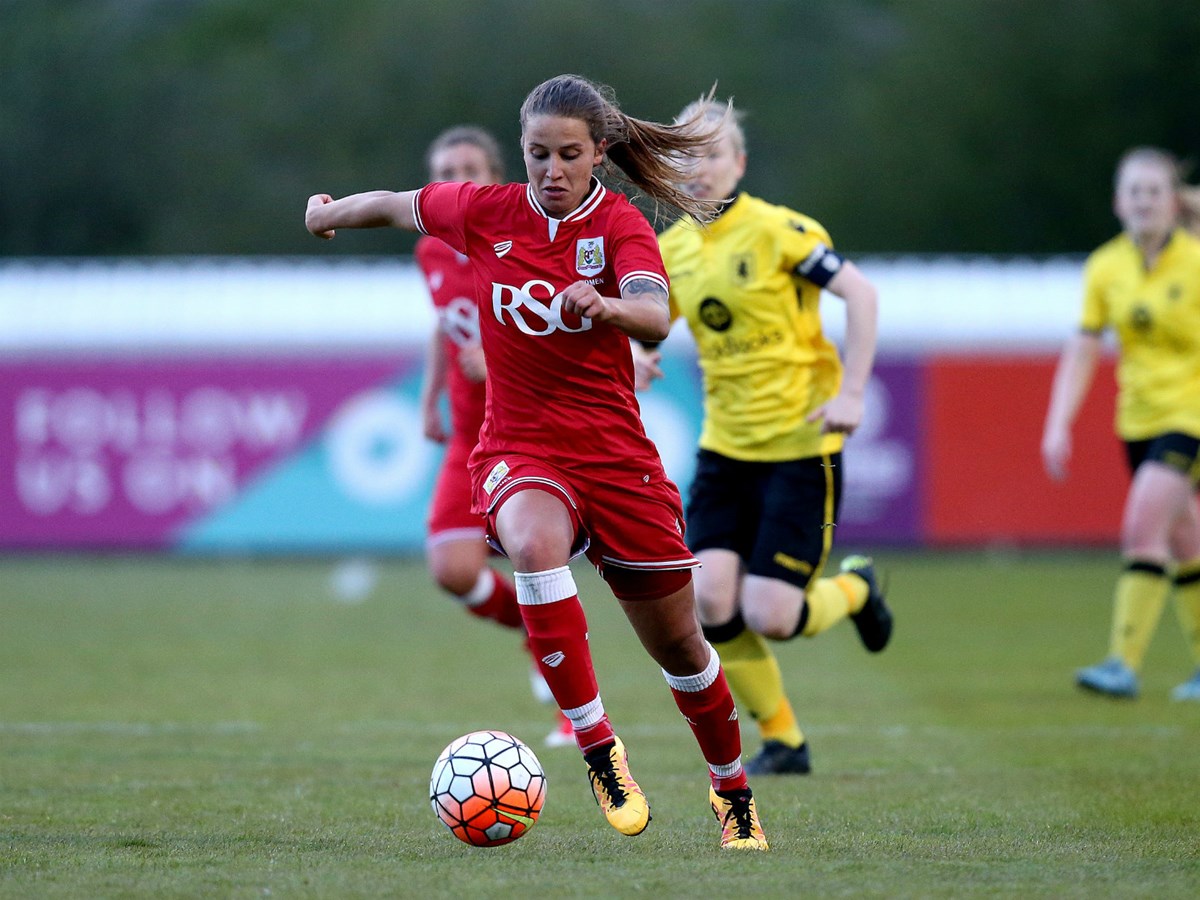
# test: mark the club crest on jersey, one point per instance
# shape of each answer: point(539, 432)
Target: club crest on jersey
point(589, 256)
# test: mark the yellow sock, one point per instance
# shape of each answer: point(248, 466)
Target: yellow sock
point(830, 600)
point(755, 680)
point(1137, 604)
point(1187, 604)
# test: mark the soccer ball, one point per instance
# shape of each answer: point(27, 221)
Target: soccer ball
point(488, 788)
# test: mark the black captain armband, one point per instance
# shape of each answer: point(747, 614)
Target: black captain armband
point(820, 266)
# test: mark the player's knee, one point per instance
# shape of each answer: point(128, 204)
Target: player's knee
point(682, 654)
point(768, 622)
point(454, 577)
point(714, 607)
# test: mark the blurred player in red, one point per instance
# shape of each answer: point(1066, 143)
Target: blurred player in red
point(567, 272)
point(456, 549)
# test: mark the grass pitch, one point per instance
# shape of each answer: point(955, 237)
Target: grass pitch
point(186, 728)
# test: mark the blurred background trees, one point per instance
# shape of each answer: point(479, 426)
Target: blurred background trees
point(145, 127)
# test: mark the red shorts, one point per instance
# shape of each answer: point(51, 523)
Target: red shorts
point(450, 515)
point(621, 520)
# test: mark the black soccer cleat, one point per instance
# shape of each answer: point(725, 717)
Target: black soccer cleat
point(874, 620)
point(778, 758)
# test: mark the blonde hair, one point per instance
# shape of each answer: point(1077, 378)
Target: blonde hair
point(1187, 194)
point(476, 137)
point(709, 111)
point(649, 155)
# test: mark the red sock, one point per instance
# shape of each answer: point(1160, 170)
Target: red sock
point(557, 636)
point(706, 703)
point(500, 603)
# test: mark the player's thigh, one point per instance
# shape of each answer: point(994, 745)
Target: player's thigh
point(724, 504)
point(796, 533)
point(1162, 495)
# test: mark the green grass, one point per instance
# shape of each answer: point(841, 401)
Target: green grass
point(186, 728)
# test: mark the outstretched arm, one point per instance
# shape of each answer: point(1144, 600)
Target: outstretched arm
point(373, 209)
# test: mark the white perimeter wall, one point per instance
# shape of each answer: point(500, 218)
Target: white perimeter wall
point(957, 304)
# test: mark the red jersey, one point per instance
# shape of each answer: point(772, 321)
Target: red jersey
point(452, 287)
point(557, 384)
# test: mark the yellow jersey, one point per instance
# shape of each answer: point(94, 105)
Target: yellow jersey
point(1156, 316)
point(749, 285)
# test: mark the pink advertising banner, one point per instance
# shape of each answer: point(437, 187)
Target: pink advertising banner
point(107, 453)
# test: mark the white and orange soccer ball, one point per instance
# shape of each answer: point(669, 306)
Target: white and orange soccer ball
point(488, 788)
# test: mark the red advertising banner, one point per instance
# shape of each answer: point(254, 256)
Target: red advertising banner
point(985, 482)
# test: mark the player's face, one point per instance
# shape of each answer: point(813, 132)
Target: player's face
point(462, 162)
point(559, 157)
point(1145, 201)
point(715, 175)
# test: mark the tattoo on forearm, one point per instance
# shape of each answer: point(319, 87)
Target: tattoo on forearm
point(645, 289)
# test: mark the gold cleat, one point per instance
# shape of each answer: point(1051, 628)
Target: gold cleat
point(740, 828)
point(619, 796)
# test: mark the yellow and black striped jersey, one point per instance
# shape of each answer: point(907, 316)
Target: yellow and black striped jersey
point(1156, 316)
point(749, 285)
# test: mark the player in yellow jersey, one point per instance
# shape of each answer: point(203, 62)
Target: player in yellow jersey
point(778, 405)
point(1145, 285)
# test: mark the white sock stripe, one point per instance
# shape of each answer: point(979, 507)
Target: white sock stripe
point(550, 586)
point(726, 771)
point(587, 715)
point(484, 585)
point(690, 684)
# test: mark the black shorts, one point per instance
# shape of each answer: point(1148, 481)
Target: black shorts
point(1174, 449)
point(778, 517)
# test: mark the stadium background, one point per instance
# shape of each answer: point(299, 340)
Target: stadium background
point(185, 368)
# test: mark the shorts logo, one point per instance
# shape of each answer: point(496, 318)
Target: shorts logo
point(555, 659)
point(502, 248)
point(495, 477)
point(790, 562)
point(589, 256)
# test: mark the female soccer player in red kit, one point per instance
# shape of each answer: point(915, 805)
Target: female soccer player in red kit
point(455, 549)
point(566, 273)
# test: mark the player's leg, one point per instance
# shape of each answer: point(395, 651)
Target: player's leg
point(456, 551)
point(460, 568)
point(637, 544)
point(784, 594)
point(1185, 549)
point(458, 556)
point(1157, 497)
point(538, 530)
point(723, 513)
point(670, 631)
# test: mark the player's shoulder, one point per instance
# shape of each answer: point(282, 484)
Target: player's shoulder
point(1188, 242)
point(1115, 253)
point(785, 218)
point(679, 233)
